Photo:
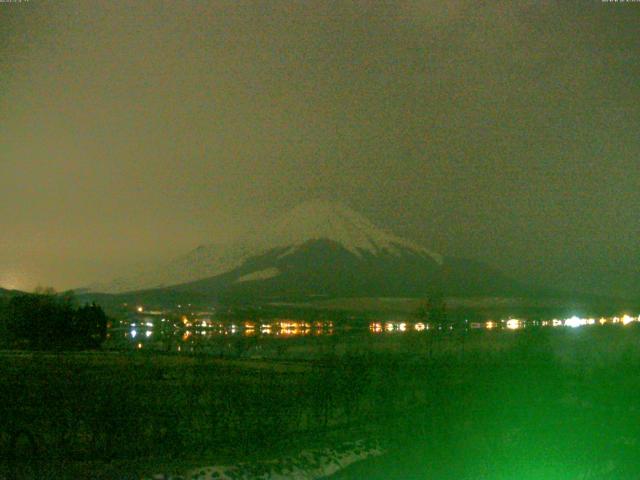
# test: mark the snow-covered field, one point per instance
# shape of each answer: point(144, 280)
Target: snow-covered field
point(306, 465)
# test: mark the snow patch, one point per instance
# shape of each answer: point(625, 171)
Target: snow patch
point(259, 275)
point(307, 465)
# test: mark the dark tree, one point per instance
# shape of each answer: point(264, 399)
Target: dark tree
point(48, 321)
point(4, 334)
point(433, 309)
point(90, 325)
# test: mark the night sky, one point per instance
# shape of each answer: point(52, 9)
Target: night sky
point(508, 132)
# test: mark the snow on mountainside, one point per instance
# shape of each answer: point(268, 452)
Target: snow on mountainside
point(259, 275)
point(324, 220)
point(309, 221)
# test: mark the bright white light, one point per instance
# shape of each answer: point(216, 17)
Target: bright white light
point(133, 334)
point(148, 333)
point(140, 309)
point(513, 324)
point(149, 324)
point(626, 319)
point(402, 327)
point(419, 327)
point(574, 322)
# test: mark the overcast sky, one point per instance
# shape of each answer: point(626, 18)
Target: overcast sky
point(509, 132)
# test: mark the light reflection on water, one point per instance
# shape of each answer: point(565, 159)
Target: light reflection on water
point(188, 335)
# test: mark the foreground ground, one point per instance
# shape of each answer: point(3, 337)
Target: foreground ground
point(554, 405)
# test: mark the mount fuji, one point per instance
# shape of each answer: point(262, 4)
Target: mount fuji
point(317, 249)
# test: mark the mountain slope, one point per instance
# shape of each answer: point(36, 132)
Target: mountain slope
point(317, 250)
point(324, 268)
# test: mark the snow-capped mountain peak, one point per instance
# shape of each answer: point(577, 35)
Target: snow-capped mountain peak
point(313, 220)
point(316, 219)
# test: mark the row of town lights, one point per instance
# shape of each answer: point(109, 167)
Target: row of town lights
point(511, 323)
point(377, 327)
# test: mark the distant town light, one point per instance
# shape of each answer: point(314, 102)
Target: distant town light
point(265, 328)
point(375, 327)
point(513, 324)
point(140, 309)
point(575, 322)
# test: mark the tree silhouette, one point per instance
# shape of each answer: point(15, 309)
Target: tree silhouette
point(433, 309)
point(45, 320)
